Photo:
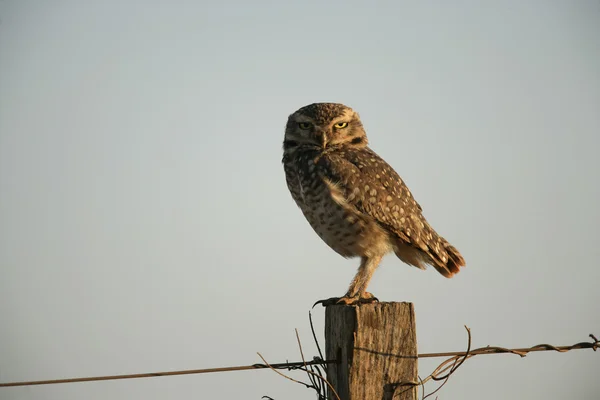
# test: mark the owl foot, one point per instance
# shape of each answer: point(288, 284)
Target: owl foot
point(348, 300)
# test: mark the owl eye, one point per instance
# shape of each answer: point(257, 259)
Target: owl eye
point(304, 125)
point(340, 125)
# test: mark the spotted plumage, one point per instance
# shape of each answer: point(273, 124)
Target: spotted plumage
point(354, 200)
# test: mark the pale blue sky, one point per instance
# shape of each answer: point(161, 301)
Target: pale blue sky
point(145, 224)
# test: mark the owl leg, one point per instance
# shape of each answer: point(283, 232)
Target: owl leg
point(357, 292)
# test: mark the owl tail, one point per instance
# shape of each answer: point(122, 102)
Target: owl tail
point(452, 266)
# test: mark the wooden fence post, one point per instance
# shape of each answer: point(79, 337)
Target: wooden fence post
point(376, 349)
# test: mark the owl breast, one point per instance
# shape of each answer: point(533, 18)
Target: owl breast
point(344, 229)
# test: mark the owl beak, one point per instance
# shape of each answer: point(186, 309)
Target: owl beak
point(323, 139)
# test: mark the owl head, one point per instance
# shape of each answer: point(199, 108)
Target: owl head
point(324, 126)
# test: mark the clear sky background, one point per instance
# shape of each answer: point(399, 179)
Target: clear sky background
point(145, 224)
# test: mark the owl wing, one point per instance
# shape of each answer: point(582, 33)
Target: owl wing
point(372, 187)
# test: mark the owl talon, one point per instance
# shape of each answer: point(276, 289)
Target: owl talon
point(327, 302)
point(368, 298)
point(348, 301)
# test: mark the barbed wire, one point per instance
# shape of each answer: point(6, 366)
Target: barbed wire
point(442, 373)
point(449, 366)
point(286, 365)
point(595, 344)
point(316, 375)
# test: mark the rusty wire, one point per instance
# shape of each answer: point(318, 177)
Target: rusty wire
point(287, 365)
point(457, 358)
point(318, 361)
point(449, 366)
point(594, 345)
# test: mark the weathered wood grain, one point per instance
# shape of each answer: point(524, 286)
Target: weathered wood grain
point(376, 348)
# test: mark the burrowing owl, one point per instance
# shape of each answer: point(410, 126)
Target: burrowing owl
point(354, 200)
